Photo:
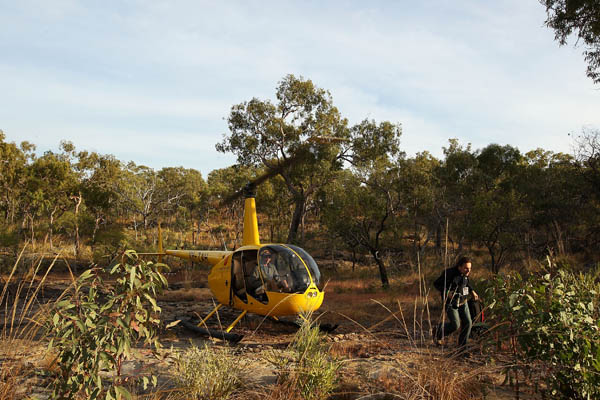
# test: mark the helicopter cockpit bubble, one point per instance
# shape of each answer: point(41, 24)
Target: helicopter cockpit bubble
point(283, 269)
point(310, 263)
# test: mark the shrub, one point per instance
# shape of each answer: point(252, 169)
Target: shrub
point(8, 237)
point(208, 373)
point(95, 327)
point(555, 319)
point(308, 368)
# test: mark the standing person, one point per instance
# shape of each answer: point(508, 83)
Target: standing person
point(455, 288)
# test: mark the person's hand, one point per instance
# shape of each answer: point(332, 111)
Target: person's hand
point(475, 296)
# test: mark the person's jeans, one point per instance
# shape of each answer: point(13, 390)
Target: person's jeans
point(457, 318)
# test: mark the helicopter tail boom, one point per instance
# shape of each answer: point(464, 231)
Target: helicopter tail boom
point(210, 257)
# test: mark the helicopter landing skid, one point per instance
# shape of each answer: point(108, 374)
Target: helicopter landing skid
point(327, 328)
point(215, 333)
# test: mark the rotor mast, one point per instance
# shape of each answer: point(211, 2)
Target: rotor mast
point(250, 236)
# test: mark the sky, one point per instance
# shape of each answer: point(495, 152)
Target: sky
point(153, 81)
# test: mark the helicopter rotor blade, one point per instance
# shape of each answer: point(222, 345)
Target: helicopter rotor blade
point(281, 166)
point(261, 179)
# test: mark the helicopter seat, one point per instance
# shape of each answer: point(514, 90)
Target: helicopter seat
point(238, 279)
point(252, 276)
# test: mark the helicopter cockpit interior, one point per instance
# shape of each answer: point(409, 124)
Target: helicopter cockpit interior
point(273, 268)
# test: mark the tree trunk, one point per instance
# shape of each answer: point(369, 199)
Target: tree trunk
point(77, 200)
point(558, 238)
point(493, 257)
point(51, 229)
point(32, 231)
point(438, 238)
point(382, 269)
point(96, 227)
point(296, 218)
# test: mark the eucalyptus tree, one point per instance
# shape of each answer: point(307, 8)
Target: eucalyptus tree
point(481, 198)
point(418, 190)
point(144, 193)
point(50, 185)
point(99, 177)
point(267, 134)
point(498, 217)
point(587, 156)
point(456, 177)
point(185, 195)
point(13, 164)
point(360, 208)
point(303, 138)
point(555, 201)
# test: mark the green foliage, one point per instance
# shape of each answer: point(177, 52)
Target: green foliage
point(309, 369)
point(361, 209)
point(108, 243)
point(580, 16)
point(95, 328)
point(555, 318)
point(299, 128)
point(367, 195)
point(8, 237)
point(209, 373)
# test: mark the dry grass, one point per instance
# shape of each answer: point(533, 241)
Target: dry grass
point(21, 317)
point(430, 377)
point(350, 349)
point(417, 369)
point(392, 352)
point(192, 294)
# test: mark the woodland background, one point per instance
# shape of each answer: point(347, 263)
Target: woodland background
point(333, 188)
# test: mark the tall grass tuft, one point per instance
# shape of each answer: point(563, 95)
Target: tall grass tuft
point(22, 318)
point(208, 373)
point(307, 369)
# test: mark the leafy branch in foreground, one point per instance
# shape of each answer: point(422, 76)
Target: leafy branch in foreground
point(95, 329)
point(554, 318)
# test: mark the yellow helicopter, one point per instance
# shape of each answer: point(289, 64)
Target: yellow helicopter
point(272, 280)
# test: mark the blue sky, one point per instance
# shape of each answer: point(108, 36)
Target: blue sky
point(153, 81)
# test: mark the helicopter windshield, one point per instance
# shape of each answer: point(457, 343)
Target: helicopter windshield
point(310, 263)
point(283, 270)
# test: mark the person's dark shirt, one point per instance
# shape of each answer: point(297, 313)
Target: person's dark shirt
point(453, 283)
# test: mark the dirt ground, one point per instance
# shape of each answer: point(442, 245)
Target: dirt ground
point(379, 344)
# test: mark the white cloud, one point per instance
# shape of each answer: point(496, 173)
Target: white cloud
point(159, 77)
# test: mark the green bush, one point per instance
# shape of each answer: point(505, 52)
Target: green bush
point(109, 241)
point(308, 368)
point(555, 319)
point(95, 328)
point(8, 237)
point(208, 373)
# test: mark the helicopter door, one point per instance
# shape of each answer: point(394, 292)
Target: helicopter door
point(252, 278)
point(237, 277)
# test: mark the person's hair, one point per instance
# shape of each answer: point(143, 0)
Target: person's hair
point(462, 260)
